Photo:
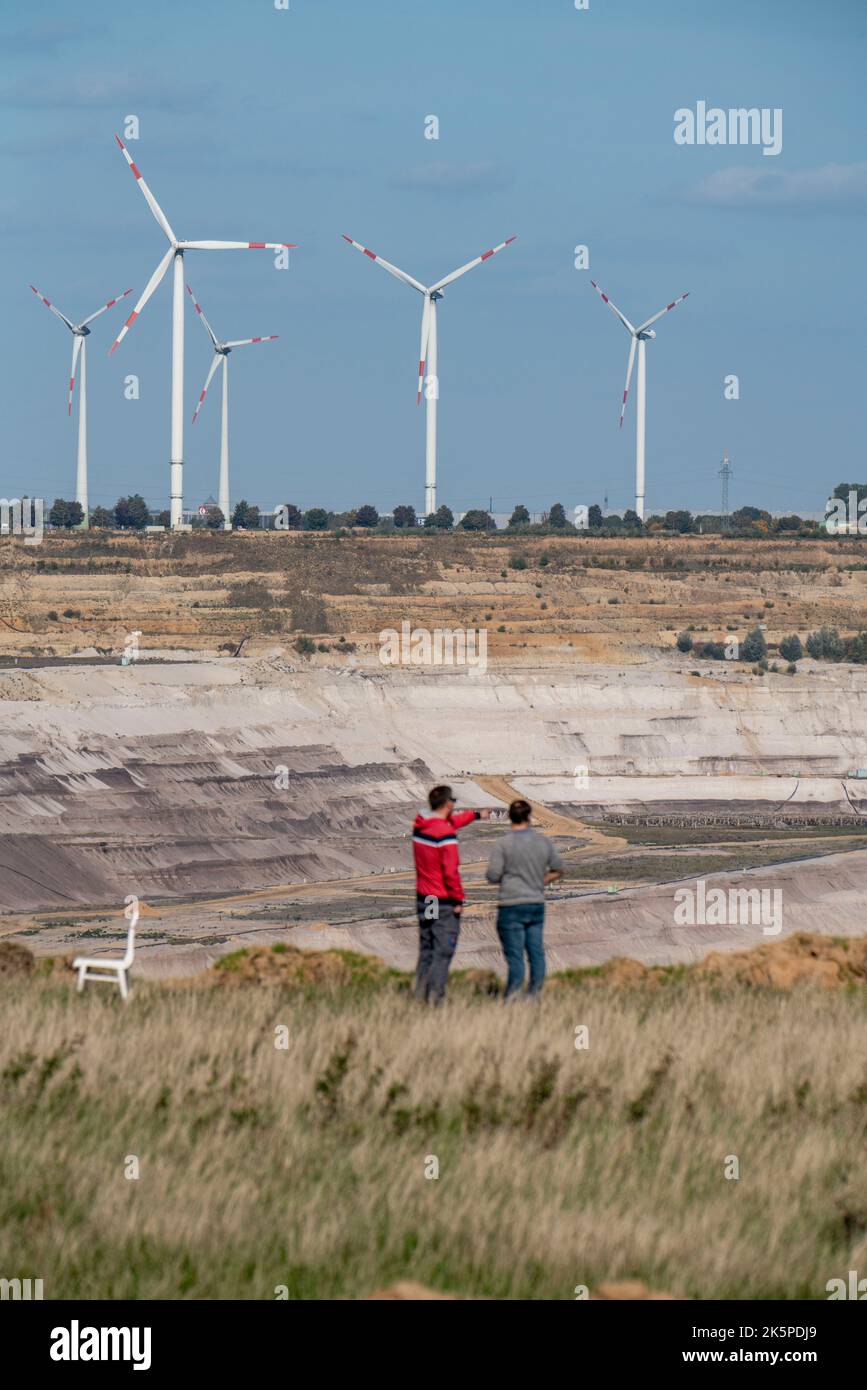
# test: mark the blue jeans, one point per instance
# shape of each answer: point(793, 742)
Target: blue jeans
point(519, 927)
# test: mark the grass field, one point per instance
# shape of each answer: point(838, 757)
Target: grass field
point(305, 1166)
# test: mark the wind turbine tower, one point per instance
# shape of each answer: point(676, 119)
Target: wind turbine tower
point(428, 354)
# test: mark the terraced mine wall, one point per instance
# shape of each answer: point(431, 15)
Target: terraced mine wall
point(220, 775)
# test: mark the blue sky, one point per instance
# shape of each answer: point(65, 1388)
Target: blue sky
point(556, 126)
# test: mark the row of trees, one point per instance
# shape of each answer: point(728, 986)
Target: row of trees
point(133, 513)
point(128, 513)
point(825, 644)
point(745, 521)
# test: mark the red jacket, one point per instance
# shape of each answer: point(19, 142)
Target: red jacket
point(437, 861)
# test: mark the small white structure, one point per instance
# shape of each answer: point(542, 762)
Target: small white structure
point(107, 970)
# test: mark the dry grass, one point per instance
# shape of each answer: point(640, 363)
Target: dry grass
point(305, 1167)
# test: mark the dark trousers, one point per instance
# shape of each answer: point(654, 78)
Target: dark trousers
point(519, 927)
point(437, 941)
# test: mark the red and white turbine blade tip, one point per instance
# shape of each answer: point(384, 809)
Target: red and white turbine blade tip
point(386, 265)
point(244, 342)
point(462, 270)
point(358, 246)
point(143, 299)
point(237, 246)
point(667, 310)
point(425, 338)
point(149, 197)
point(76, 348)
point(629, 366)
point(210, 332)
point(53, 307)
point(207, 381)
point(613, 307)
point(110, 305)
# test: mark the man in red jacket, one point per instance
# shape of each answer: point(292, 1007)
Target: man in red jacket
point(439, 891)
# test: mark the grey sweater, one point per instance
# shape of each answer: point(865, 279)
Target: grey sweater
point(519, 862)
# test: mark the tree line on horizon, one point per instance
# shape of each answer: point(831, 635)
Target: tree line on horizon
point(133, 514)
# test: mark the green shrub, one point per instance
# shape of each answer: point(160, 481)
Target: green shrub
point(754, 647)
point(790, 648)
point(826, 645)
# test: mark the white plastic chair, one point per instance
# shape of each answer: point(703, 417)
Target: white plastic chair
point(107, 970)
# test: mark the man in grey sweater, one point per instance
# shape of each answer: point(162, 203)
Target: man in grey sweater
point(522, 863)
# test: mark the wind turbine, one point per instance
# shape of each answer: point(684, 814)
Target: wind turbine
point(175, 255)
point(221, 354)
point(428, 352)
point(80, 333)
point(639, 337)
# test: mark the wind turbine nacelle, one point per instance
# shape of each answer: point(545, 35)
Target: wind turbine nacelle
point(437, 294)
point(82, 332)
point(651, 333)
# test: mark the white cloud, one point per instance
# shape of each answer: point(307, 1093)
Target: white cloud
point(829, 185)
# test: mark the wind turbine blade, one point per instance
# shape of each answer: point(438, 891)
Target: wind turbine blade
point(632, 343)
point(76, 349)
point(242, 342)
point(613, 307)
point(237, 245)
point(198, 308)
point(667, 310)
point(54, 309)
point(485, 256)
point(218, 357)
point(148, 291)
point(110, 305)
point(425, 336)
point(386, 265)
point(149, 197)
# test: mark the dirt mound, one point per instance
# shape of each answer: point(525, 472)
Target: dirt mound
point(15, 960)
point(625, 972)
point(803, 959)
point(289, 966)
